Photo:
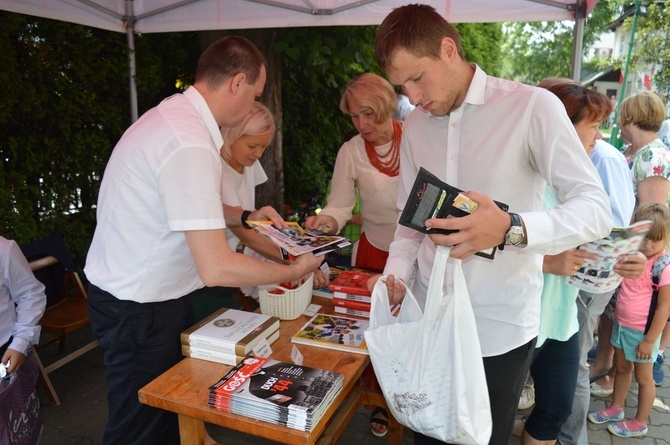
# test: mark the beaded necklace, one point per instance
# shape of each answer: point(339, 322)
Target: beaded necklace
point(390, 167)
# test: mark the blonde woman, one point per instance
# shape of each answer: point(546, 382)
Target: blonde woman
point(243, 146)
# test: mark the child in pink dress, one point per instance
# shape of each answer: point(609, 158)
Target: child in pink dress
point(635, 341)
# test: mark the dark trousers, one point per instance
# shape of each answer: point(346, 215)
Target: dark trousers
point(140, 342)
point(554, 370)
point(505, 377)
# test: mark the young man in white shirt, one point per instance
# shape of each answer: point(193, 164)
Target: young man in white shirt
point(499, 140)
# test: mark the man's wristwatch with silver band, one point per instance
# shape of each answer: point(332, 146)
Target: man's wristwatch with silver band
point(515, 236)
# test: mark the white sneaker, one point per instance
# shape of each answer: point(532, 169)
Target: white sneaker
point(527, 399)
point(599, 391)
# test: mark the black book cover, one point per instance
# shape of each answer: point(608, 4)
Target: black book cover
point(431, 197)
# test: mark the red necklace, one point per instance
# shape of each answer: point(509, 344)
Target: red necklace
point(391, 166)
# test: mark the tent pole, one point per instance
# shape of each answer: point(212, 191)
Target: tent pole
point(130, 35)
point(578, 43)
point(614, 137)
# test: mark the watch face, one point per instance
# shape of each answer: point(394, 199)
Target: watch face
point(515, 235)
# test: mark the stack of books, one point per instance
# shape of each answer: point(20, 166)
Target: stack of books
point(228, 335)
point(350, 293)
point(277, 392)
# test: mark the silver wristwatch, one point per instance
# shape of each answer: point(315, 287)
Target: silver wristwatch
point(515, 236)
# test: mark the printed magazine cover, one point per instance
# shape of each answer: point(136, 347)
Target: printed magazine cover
point(277, 392)
point(334, 332)
point(295, 240)
point(598, 275)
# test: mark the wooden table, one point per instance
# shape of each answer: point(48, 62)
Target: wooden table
point(184, 390)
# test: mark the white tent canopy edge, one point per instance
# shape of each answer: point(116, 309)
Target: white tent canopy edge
point(153, 16)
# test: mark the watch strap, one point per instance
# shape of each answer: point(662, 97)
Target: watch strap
point(244, 218)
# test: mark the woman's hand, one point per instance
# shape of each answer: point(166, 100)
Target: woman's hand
point(268, 213)
point(324, 223)
point(631, 266)
point(320, 279)
point(566, 263)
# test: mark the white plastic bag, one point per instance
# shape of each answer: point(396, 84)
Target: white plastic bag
point(429, 365)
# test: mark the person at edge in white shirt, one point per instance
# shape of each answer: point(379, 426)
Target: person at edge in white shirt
point(161, 235)
point(22, 304)
point(495, 139)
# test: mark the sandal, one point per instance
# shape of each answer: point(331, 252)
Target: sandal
point(383, 421)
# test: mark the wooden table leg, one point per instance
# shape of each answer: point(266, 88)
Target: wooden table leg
point(191, 430)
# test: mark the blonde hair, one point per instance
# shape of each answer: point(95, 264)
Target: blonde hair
point(645, 110)
point(659, 215)
point(259, 121)
point(373, 91)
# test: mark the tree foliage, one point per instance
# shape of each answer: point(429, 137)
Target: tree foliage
point(536, 50)
point(652, 44)
point(65, 105)
point(317, 63)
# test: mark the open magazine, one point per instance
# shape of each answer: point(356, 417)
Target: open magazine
point(598, 275)
point(294, 240)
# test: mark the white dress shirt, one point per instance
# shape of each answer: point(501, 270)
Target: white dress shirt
point(163, 178)
point(22, 299)
point(509, 141)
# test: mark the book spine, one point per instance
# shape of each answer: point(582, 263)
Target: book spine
point(354, 297)
point(212, 356)
point(228, 348)
point(349, 311)
point(350, 289)
point(352, 304)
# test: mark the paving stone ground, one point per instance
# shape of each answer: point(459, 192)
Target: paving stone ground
point(81, 417)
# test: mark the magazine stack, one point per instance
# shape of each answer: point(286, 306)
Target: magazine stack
point(228, 335)
point(277, 392)
point(350, 293)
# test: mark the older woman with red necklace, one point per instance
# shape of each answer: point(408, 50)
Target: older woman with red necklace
point(369, 161)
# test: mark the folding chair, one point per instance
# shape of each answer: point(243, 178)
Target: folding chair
point(66, 310)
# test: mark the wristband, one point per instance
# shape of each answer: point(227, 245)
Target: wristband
point(244, 218)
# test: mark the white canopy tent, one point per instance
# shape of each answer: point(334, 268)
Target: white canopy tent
point(153, 16)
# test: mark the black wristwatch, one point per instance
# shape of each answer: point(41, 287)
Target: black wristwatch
point(244, 218)
point(515, 236)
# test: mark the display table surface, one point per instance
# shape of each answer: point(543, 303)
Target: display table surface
point(184, 389)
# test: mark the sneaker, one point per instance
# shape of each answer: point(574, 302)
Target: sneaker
point(659, 373)
point(623, 429)
point(527, 399)
point(601, 416)
point(599, 391)
point(591, 355)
